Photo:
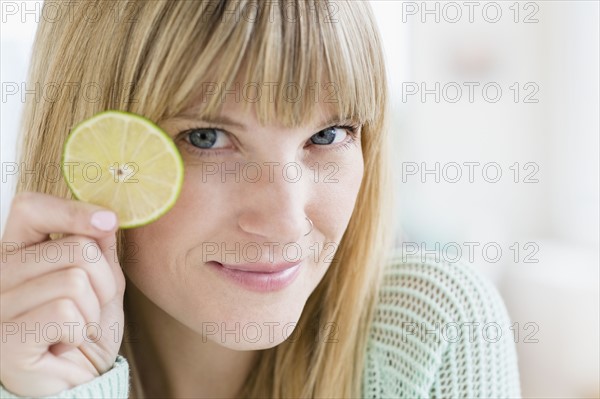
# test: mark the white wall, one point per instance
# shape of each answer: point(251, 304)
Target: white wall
point(16, 37)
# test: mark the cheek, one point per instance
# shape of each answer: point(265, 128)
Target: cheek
point(201, 199)
point(333, 198)
point(159, 249)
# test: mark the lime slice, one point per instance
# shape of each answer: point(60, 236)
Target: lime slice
point(126, 163)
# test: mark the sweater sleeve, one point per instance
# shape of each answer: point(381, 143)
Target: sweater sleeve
point(440, 331)
point(112, 384)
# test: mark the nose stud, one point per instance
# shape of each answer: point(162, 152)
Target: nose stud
point(311, 225)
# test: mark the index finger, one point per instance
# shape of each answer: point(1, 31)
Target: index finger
point(34, 216)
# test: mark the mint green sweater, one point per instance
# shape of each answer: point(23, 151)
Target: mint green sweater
point(440, 331)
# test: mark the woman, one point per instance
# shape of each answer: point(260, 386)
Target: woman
point(298, 89)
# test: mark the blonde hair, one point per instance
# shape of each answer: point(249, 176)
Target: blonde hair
point(155, 57)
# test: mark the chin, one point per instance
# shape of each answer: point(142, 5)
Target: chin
point(248, 346)
point(249, 335)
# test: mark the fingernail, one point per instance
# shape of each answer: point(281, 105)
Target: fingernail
point(104, 220)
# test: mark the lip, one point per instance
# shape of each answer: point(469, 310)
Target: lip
point(259, 281)
point(261, 267)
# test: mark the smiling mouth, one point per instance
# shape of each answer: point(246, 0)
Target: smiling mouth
point(262, 268)
point(256, 278)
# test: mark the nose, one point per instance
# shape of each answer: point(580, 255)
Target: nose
point(273, 206)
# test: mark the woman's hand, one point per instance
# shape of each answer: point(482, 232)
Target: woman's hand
point(61, 301)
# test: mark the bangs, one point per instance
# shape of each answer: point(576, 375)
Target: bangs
point(286, 59)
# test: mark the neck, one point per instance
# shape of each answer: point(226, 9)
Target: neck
point(172, 360)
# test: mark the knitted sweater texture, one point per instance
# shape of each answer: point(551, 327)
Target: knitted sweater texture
point(440, 330)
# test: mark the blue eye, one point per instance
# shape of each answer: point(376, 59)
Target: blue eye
point(205, 138)
point(329, 136)
point(216, 141)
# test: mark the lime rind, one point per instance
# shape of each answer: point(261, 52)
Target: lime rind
point(177, 170)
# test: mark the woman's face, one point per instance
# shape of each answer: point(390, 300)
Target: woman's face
point(246, 193)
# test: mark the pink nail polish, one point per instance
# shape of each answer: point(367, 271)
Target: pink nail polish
point(104, 220)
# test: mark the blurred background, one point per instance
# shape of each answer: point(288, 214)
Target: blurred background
point(496, 144)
